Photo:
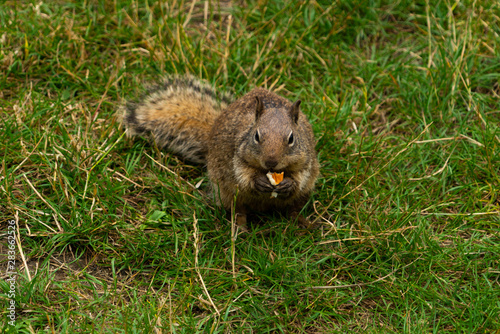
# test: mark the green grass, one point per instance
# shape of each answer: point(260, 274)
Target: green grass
point(404, 100)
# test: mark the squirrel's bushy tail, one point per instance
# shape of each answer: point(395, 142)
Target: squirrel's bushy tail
point(178, 113)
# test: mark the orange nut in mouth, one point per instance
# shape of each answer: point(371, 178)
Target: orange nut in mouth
point(275, 178)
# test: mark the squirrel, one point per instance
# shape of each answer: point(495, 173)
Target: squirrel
point(240, 142)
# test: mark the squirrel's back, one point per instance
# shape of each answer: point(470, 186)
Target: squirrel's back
point(178, 113)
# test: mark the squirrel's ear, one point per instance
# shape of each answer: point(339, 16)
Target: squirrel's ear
point(259, 108)
point(294, 111)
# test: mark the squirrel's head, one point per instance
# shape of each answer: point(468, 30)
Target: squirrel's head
point(274, 142)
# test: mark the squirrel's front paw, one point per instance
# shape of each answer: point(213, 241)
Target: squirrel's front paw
point(286, 186)
point(262, 184)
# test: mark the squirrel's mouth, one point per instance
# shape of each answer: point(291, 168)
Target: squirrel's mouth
point(273, 171)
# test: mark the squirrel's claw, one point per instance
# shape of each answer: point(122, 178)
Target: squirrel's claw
point(262, 184)
point(288, 185)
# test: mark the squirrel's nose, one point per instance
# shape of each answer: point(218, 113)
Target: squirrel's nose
point(271, 163)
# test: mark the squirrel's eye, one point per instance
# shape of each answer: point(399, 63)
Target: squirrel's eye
point(257, 137)
point(290, 139)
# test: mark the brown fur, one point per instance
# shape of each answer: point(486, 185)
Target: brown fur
point(234, 163)
point(178, 114)
point(240, 142)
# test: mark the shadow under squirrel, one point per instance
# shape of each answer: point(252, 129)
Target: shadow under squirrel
point(240, 142)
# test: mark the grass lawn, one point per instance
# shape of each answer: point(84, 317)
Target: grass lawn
point(112, 236)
